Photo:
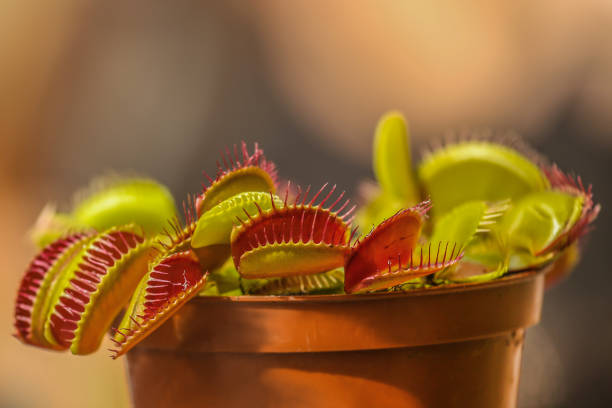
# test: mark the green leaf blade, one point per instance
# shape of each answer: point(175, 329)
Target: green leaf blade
point(392, 158)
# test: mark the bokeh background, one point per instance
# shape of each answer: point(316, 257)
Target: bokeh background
point(160, 87)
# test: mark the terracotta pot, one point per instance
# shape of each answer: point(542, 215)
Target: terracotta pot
point(457, 346)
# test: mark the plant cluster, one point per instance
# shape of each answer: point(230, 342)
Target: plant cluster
point(472, 211)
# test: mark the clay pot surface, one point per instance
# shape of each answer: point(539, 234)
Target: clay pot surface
point(453, 346)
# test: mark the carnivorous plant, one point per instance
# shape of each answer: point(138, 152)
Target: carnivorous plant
point(471, 211)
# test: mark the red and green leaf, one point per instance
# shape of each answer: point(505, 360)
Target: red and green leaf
point(296, 239)
point(169, 284)
point(37, 285)
point(422, 261)
point(94, 288)
point(251, 172)
point(565, 183)
point(395, 237)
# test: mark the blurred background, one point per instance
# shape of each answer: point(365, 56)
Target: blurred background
point(160, 88)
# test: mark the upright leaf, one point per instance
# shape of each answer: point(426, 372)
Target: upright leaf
point(392, 159)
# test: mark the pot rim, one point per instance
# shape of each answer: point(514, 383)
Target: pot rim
point(322, 323)
point(508, 279)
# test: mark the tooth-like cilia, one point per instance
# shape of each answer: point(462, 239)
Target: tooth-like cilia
point(470, 226)
point(215, 226)
point(110, 201)
point(538, 221)
point(542, 224)
point(485, 258)
point(94, 287)
point(320, 283)
point(478, 170)
point(461, 224)
point(38, 284)
point(562, 182)
point(495, 211)
point(180, 237)
point(294, 239)
point(423, 261)
point(174, 251)
point(170, 283)
point(251, 172)
point(389, 255)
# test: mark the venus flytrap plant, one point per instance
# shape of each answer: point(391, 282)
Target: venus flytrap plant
point(477, 170)
point(392, 163)
point(251, 172)
point(75, 287)
point(215, 225)
point(171, 281)
point(562, 182)
point(178, 237)
point(314, 284)
point(546, 211)
point(494, 212)
point(176, 276)
point(392, 159)
point(109, 201)
point(463, 222)
point(568, 244)
point(485, 258)
point(207, 232)
point(90, 295)
point(537, 223)
point(236, 187)
point(470, 225)
point(210, 288)
point(37, 285)
point(543, 225)
point(225, 279)
point(294, 239)
point(390, 255)
point(204, 239)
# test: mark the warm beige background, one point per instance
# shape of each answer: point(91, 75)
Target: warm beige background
point(160, 88)
point(33, 40)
